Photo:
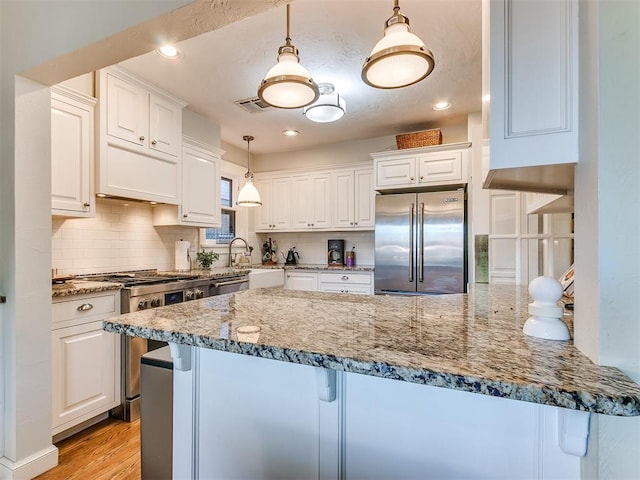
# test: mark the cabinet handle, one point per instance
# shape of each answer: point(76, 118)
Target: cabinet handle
point(154, 142)
point(142, 138)
point(345, 277)
point(84, 307)
point(86, 204)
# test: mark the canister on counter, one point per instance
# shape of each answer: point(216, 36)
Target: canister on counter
point(336, 253)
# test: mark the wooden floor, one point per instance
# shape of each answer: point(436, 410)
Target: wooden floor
point(106, 451)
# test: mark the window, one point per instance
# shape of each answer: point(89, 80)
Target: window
point(227, 230)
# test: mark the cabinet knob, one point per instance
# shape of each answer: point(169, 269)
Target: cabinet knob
point(421, 177)
point(86, 204)
point(350, 223)
point(355, 223)
point(345, 277)
point(142, 138)
point(154, 142)
point(85, 307)
point(185, 215)
point(288, 275)
point(411, 178)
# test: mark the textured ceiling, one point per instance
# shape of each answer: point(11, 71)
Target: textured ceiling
point(333, 37)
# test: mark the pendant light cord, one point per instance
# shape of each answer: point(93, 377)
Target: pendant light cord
point(396, 8)
point(288, 39)
point(248, 139)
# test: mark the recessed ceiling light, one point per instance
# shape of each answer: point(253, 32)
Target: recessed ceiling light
point(169, 51)
point(290, 133)
point(442, 106)
point(153, 203)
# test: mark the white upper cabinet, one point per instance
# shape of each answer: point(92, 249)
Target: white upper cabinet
point(140, 139)
point(353, 199)
point(311, 201)
point(275, 212)
point(422, 167)
point(72, 153)
point(200, 206)
point(533, 80)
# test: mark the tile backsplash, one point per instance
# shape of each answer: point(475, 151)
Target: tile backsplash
point(120, 237)
point(312, 246)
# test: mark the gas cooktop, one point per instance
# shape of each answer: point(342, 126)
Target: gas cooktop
point(132, 279)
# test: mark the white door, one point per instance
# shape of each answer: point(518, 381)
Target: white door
point(127, 111)
point(301, 281)
point(71, 144)
point(321, 201)
point(200, 187)
point(439, 167)
point(262, 214)
point(281, 202)
point(85, 368)
point(365, 201)
point(165, 125)
point(343, 198)
point(302, 200)
point(396, 172)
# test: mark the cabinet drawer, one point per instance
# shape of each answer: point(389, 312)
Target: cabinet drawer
point(345, 278)
point(358, 289)
point(86, 307)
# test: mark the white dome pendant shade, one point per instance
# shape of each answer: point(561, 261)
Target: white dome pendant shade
point(328, 108)
point(400, 58)
point(249, 195)
point(288, 84)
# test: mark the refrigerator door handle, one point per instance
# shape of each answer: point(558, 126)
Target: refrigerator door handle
point(420, 243)
point(412, 222)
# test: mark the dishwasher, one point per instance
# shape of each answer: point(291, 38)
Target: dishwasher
point(156, 397)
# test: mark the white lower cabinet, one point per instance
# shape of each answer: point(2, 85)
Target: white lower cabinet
point(345, 282)
point(85, 359)
point(301, 281)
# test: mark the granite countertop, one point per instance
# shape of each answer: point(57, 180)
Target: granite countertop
point(76, 287)
point(324, 267)
point(471, 342)
point(84, 284)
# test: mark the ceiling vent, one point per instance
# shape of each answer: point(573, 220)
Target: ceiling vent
point(253, 105)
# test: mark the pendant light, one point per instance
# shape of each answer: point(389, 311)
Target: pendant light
point(328, 108)
point(249, 196)
point(400, 58)
point(288, 84)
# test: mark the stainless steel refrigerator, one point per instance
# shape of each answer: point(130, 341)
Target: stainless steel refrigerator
point(420, 243)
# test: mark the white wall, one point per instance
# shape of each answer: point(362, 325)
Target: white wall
point(201, 128)
point(120, 237)
point(607, 204)
point(312, 247)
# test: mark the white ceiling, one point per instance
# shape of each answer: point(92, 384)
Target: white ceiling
point(333, 37)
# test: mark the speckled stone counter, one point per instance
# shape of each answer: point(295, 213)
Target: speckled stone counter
point(76, 287)
point(324, 267)
point(471, 342)
point(213, 272)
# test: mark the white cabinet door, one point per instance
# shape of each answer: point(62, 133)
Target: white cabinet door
point(281, 202)
point(165, 125)
point(127, 110)
point(262, 214)
point(201, 187)
point(71, 154)
point(301, 281)
point(396, 172)
point(301, 201)
point(534, 83)
point(86, 373)
point(343, 199)
point(345, 282)
point(440, 167)
point(321, 203)
point(364, 198)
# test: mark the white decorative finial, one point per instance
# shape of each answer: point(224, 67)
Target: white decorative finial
point(545, 321)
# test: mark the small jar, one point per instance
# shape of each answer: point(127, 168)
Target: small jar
point(350, 260)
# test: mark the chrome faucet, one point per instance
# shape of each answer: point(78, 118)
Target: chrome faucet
point(248, 252)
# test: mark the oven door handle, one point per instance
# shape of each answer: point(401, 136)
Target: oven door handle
point(230, 282)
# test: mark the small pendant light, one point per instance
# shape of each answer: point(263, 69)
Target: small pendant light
point(288, 84)
point(249, 196)
point(328, 108)
point(400, 58)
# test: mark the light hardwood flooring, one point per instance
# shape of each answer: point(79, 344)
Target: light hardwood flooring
point(107, 451)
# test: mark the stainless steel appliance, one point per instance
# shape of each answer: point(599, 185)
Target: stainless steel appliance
point(420, 243)
point(229, 284)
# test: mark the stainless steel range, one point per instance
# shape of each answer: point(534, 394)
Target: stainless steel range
point(148, 289)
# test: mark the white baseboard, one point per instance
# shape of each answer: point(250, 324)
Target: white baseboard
point(29, 467)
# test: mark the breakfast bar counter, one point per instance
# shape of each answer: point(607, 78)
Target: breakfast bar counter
point(355, 393)
point(471, 342)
